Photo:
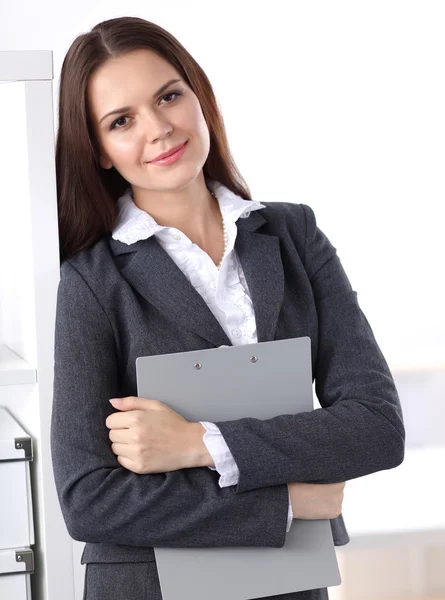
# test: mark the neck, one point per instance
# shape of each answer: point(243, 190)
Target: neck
point(191, 209)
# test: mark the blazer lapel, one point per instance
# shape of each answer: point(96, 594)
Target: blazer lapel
point(154, 275)
point(260, 259)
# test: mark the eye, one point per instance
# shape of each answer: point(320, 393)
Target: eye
point(171, 94)
point(113, 124)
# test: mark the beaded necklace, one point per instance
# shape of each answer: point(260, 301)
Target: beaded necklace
point(225, 235)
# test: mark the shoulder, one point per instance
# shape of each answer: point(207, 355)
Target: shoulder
point(290, 220)
point(82, 296)
point(289, 214)
point(89, 265)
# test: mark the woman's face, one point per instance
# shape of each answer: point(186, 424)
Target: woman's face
point(152, 123)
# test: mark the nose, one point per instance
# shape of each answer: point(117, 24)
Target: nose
point(155, 127)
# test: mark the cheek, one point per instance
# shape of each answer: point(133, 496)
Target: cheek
point(204, 135)
point(124, 148)
point(199, 126)
point(201, 123)
point(192, 119)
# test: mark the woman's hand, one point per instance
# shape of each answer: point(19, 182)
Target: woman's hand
point(150, 437)
point(316, 500)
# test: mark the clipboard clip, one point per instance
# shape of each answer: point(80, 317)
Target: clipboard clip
point(253, 359)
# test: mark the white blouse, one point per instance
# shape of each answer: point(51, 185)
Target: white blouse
point(224, 290)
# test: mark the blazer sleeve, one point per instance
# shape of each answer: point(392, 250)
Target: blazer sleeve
point(101, 501)
point(359, 429)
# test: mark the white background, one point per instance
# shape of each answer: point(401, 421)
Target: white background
point(339, 105)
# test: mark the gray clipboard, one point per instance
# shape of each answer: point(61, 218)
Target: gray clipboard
point(228, 383)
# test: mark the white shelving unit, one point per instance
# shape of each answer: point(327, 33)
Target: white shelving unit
point(14, 370)
point(29, 277)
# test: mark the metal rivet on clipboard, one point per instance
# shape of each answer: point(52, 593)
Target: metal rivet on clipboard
point(253, 359)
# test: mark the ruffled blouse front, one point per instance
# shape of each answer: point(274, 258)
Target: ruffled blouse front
point(224, 290)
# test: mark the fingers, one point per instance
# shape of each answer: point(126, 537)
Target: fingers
point(128, 464)
point(120, 435)
point(135, 403)
point(123, 450)
point(122, 420)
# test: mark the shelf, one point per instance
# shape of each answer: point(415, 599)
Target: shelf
point(13, 369)
point(408, 500)
point(26, 65)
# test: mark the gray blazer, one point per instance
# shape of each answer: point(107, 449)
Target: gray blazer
point(116, 302)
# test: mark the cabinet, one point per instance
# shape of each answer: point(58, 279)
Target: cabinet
point(29, 277)
point(16, 514)
point(16, 567)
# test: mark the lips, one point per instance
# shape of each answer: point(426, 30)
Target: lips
point(168, 153)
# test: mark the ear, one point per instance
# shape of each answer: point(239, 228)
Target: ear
point(105, 162)
point(103, 159)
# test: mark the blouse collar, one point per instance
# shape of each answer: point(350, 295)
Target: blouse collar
point(134, 224)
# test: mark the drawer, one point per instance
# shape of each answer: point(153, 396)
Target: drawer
point(16, 510)
point(16, 568)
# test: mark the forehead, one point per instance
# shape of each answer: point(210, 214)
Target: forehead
point(139, 72)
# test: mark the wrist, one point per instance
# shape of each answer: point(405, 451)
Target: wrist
point(199, 455)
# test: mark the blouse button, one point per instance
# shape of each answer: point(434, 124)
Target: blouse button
point(213, 285)
point(176, 236)
point(236, 333)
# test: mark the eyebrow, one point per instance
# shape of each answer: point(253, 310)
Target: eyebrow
point(117, 111)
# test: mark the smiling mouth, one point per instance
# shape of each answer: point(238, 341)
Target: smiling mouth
point(171, 158)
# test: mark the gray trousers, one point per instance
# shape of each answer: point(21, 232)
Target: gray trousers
point(139, 581)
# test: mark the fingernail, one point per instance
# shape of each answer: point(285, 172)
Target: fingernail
point(115, 400)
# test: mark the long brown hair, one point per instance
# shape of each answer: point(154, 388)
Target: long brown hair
point(86, 193)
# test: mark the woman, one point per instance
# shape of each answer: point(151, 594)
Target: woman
point(162, 256)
